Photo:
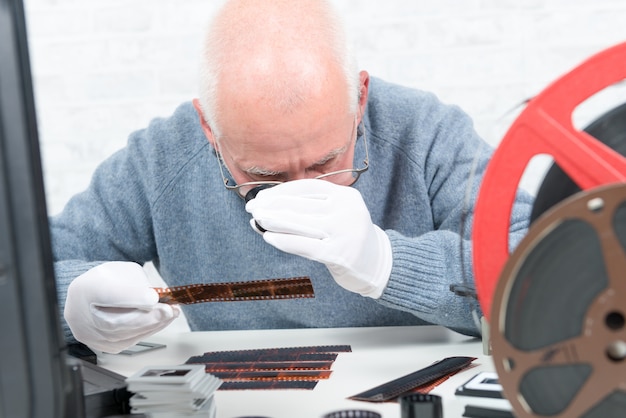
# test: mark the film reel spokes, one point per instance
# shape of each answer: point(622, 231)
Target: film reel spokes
point(544, 127)
point(559, 319)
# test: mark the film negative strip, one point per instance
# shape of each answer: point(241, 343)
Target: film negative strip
point(423, 378)
point(269, 289)
point(316, 352)
point(268, 365)
point(271, 368)
point(296, 374)
point(268, 385)
point(558, 327)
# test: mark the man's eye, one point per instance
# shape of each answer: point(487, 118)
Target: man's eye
point(258, 177)
point(324, 167)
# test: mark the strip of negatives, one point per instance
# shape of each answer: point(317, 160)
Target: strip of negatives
point(268, 385)
point(394, 388)
point(267, 289)
point(269, 365)
point(273, 375)
point(291, 357)
point(313, 353)
point(428, 387)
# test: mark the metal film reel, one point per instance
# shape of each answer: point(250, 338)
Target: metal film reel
point(558, 322)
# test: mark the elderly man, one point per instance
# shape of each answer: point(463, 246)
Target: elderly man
point(368, 193)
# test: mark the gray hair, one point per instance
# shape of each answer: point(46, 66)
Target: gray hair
point(329, 30)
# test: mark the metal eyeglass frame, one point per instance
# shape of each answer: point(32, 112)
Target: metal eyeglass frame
point(269, 183)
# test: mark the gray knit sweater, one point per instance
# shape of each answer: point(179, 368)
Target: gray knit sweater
point(162, 199)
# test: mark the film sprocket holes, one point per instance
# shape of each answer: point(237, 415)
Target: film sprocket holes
point(271, 368)
point(266, 289)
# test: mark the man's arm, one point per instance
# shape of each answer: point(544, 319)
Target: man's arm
point(426, 266)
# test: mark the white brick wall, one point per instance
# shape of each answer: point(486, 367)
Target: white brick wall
point(105, 68)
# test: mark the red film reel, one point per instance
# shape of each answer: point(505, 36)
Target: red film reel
point(544, 127)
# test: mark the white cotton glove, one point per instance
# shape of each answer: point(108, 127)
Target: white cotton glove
point(112, 307)
point(325, 222)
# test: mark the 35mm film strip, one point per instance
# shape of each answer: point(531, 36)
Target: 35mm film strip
point(422, 380)
point(271, 368)
point(268, 289)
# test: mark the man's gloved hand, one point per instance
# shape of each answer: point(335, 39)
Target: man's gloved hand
point(112, 307)
point(328, 223)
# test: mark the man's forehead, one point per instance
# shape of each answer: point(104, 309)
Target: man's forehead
point(323, 136)
point(275, 155)
point(264, 167)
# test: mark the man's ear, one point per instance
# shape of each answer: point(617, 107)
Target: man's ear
point(364, 83)
point(208, 132)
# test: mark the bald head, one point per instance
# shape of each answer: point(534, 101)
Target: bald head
point(283, 54)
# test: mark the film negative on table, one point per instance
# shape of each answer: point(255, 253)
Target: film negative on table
point(271, 368)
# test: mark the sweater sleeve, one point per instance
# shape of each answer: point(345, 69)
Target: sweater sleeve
point(425, 268)
point(421, 279)
point(452, 159)
point(107, 222)
point(112, 220)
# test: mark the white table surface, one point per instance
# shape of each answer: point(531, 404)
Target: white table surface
point(378, 356)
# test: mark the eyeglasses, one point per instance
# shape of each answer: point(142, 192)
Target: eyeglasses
point(345, 177)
